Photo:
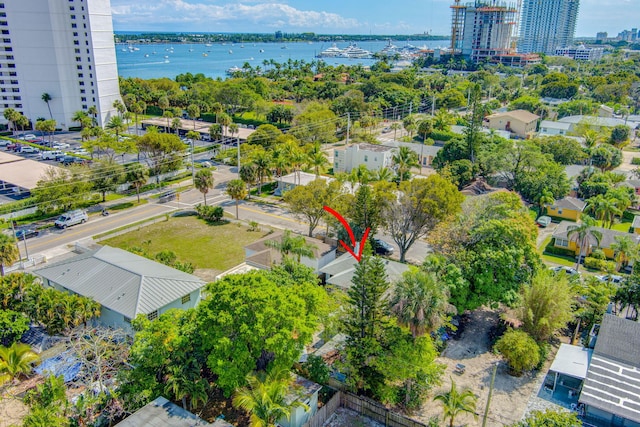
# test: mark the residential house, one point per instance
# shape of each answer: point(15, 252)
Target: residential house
point(562, 239)
point(306, 392)
point(425, 153)
point(568, 208)
point(597, 122)
point(124, 284)
point(611, 391)
point(341, 271)
point(163, 413)
point(374, 157)
point(550, 128)
point(565, 378)
point(501, 133)
point(635, 225)
point(632, 183)
point(259, 255)
point(605, 111)
point(295, 179)
point(520, 123)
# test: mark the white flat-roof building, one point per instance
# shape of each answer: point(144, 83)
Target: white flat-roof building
point(581, 53)
point(62, 48)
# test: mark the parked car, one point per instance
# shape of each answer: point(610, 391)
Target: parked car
point(71, 160)
point(26, 233)
point(29, 149)
point(568, 270)
point(51, 154)
point(4, 142)
point(29, 137)
point(80, 152)
point(68, 219)
point(60, 146)
point(381, 247)
point(543, 221)
point(386, 130)
point(610, 278)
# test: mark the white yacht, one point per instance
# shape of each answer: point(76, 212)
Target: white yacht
point(331, 52)
point(353, 51)
point(233, 70)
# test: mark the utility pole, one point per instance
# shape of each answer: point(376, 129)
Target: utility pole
point(348, 126)
point(193, 168)
point(238, 142)
point(486, 408)
point(433, 104)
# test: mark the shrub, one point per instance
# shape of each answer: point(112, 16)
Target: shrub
point(520, 350)
point(599, 264)
point(552, 250)
point(210, 213)
point(635, 161)
point(438, 135)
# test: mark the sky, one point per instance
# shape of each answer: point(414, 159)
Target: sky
point(334, 16)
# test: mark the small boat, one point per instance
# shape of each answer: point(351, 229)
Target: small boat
point(154, 52)
point(190, 50)
point(124, 50)
point(208, 44)
point(166, 61)
point(166, 57)
point(146, 55)
point(261, 50)
point(242, 46)
point(251, 59)
point(205, 54)
point(284, 47)
point(233, 70)
point(230, 51)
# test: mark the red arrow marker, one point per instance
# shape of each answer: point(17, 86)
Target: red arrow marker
point(346, 226)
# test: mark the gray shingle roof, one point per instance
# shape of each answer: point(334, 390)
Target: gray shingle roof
point(570, 203)
point(636, 221)
point(343, 268)
point(613, 378)
point(121, 281)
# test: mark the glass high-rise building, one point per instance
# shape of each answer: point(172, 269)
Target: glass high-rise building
point(547, 25)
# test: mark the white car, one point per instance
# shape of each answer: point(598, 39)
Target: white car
point(611, 278)
point(81, 152)
point(60, 145)
point(570, 271)
point(29, 149)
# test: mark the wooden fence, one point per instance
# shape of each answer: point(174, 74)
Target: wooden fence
point(363, 406)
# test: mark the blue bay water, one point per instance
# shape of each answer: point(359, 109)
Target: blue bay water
point(169, 60)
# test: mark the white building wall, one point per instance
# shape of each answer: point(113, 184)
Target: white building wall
point(547, 25)
point(63, 48)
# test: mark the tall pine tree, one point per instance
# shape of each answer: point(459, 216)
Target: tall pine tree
point(364, 326)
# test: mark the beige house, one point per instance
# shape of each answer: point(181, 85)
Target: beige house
point(520, 123)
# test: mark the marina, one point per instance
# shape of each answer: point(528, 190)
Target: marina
point(152, 60)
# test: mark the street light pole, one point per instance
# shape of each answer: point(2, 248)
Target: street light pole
point(486, 408)
point(193, 169)
point(238, 142)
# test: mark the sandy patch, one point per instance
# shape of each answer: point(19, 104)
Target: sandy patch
point(472, 349)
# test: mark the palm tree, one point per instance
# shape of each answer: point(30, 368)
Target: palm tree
point(12, 116)
point(316, 158)
point(262, 164)
point(117, 125)
point(168, 115)
point(605, 209)
point(419, 302)
point(46, 98)
point(204, 182)
point(583, 235)
point(237, 191)
point(382, 174)
point(194, 112)
point(395, 127)
point(625, 250)
point(137, 175)
point(175, 124)
point(404, 159)
point(93, 111)
point(9, 252)
point(136, 108)
point(119, 106)
point(265, 399)
point(455, 403)
point(15, 361)
point(295, 245)
point(82, 118)
point(224, 120)
point(546, 198)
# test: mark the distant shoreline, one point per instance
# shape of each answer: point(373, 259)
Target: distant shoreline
point(184, 37)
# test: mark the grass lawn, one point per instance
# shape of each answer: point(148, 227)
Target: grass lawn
point(558, 260)
point(618, 226)
point(219, 247)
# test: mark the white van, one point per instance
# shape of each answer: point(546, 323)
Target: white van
point(68, 219)
point(51, 155)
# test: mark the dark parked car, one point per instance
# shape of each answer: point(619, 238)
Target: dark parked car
point(381, 247)
point(26, 233)
point(71, 160)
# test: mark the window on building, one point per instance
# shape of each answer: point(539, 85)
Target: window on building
point(80, 75)
point(79, 67)
point(72, 8)
point(15, 90)
point(14, 82)
point(186, 298)
point(73, 16)
point(74, 26)
point(18, 105)
point(76, 42)
point(77, 50)
point(11, 65)
point(366, 158)
point(562, 242)
point(153, 315)
point(5, 32)
point(75, 34)
point(84, 106)
point(3, 23)
point(78, 59)
point(81, 83)
point(6, 40)
point(83, 99)
point(82, 91)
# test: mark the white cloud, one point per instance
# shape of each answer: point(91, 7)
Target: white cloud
point(203, 15)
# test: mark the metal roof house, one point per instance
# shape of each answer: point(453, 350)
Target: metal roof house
point(124, 284)
point(163, 413)
point(341, 271)
point(611, 391)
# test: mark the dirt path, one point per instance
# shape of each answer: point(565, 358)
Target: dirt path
point(472, 349)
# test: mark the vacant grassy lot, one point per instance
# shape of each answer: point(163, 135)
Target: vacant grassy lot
point(218, 247)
